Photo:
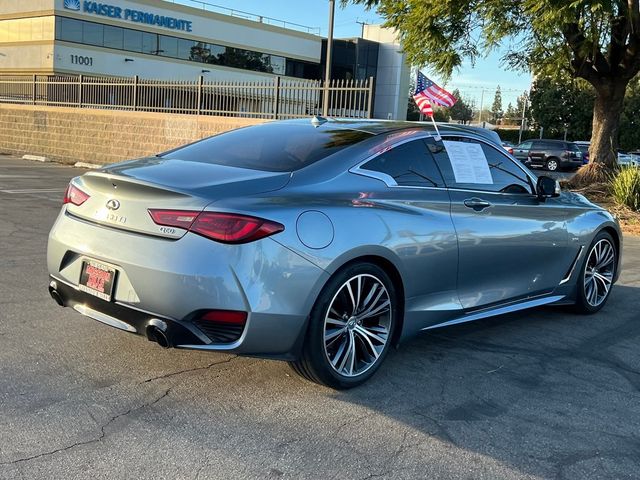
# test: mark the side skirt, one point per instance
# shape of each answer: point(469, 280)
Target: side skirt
point(500, 310)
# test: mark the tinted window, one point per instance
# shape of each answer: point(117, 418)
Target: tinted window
point(270, 147)
point(544, 145)
point(150, 43)
point(574, 148)
point(409, 164)
point(168, 46)
point(185, 49)
point(215, 53)
point(92, 34)
point(507, 176)
point(132, 40)
point(583, 148)
point(69, 30)
point(278, 65)
point(113, 37)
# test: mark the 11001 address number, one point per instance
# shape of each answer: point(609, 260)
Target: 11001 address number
point(81, 60)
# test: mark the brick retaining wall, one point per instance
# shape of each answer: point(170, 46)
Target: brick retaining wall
point(72, 135)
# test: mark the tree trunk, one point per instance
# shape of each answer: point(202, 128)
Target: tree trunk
point(607, 110)
point(603, 151)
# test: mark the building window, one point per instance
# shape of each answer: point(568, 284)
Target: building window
point(150, 43)
point(91, 33)
point(278, 65)
point(132, 40)
point(69, 30)
point(113, 37)
point(185, 48)
point(168, 46)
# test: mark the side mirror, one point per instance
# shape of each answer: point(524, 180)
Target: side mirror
point(547, 187)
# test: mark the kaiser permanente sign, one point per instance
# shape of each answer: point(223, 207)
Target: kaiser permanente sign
point(136, 16)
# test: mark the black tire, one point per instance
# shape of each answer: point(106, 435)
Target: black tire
point(552, 164)
point(584, 295)
point(314, 363)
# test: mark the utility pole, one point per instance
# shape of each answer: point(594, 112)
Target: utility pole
point(327, 69)
point(524, 116)
point(362, 31)
point(481, 106)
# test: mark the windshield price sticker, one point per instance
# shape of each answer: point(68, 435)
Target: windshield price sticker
point(469, 162)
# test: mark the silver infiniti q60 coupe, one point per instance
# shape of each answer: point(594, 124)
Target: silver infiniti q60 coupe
point(324, 242)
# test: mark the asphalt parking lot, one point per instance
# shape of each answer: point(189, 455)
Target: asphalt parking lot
point(539, 394)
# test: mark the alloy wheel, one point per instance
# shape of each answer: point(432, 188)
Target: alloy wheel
point(357, 325)
point(552, 165)
point(598, 273)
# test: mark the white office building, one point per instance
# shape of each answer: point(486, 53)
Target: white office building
point(158, 39)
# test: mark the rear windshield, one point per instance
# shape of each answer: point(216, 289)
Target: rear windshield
point(575, 148)
point(272, 147)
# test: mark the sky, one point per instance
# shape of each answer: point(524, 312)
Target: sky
point(474, 82)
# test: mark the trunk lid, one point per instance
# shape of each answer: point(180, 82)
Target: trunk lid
point(120, 196)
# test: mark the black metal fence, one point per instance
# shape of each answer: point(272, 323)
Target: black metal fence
point(278, 99)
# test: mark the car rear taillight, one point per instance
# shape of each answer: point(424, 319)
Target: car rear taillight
point(173, 218)
point(232, 317)
point(510, 150)
point(74, 195)
point(221, 227)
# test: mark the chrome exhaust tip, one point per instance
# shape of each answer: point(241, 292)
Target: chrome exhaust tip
point(56, 296)
point(154, 334)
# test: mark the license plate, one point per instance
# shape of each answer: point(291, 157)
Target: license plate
point(97, 279)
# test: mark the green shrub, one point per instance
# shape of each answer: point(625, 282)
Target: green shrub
point(625, 187)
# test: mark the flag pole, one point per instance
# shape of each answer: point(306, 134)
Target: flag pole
point(435, 125)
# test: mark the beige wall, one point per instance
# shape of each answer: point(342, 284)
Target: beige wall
point(19, 7)
point(70, 135)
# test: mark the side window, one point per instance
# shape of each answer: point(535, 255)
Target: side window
point(506, 176)
point(525, 145)
point(541, 145)
point(409, 164)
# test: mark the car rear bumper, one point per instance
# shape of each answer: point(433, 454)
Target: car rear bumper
point(164, 284)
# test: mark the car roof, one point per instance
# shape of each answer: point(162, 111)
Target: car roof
point(379, 127)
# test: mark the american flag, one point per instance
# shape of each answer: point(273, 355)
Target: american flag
point(427, 92)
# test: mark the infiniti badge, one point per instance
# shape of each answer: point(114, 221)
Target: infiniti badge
point(113, 204)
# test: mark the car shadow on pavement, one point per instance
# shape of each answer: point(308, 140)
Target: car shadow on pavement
point(546, 391)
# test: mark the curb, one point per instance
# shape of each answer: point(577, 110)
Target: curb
point(36, 158)
point(87, 165)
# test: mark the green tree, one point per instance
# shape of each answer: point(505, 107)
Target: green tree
point(496, 107)
point(441, 114)
point(560, 106)
point(461, 110)
point(630, 122)
point(523, 109)
point(596, 40)
point(510, 114)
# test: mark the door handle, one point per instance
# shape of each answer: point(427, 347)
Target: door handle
point(477, 204)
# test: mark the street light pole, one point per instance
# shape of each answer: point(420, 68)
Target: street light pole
point(327, 69)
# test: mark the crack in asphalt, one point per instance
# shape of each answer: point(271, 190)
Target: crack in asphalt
point(103, 433)
point(393, 459)
point(188, 370)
